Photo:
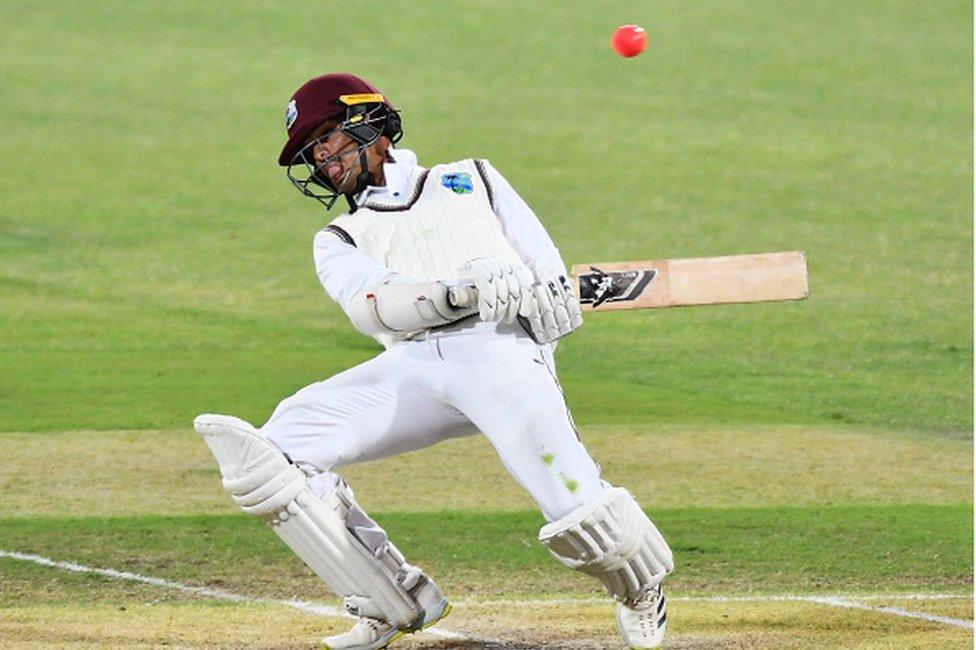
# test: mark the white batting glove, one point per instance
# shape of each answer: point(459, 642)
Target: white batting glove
point(556, 311)
point(504, 291)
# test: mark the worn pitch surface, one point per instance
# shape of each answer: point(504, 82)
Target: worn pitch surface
point(117, 545)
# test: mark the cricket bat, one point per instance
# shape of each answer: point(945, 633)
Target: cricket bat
point(684, 282)
point(692, 281)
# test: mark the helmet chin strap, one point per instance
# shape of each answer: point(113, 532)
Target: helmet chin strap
point(362, 180)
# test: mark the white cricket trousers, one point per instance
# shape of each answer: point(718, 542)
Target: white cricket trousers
point(452, 383)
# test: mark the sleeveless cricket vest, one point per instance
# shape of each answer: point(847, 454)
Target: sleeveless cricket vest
point(447, 221)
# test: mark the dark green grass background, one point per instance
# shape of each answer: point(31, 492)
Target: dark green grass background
point(155, 263)
point(833, 549)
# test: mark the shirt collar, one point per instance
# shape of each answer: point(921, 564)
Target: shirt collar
point(397, 173)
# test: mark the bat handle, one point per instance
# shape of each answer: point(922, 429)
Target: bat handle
point(462, 296)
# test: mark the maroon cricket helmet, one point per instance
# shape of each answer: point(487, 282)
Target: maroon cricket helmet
point(320, 99)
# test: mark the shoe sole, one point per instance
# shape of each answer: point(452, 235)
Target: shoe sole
point(402, 633)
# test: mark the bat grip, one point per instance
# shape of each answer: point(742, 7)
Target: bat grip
point(462, 296)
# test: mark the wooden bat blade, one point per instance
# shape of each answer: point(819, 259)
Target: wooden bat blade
point(692, 281)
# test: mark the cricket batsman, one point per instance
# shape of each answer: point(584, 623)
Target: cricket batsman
point(409, 236)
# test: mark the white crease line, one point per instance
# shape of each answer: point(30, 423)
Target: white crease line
point(850, 601)
point(542, 602)
point(845, 601)
point(897, 611)
point(302, 606)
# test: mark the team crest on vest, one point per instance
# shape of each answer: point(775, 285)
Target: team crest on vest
point(459, 183)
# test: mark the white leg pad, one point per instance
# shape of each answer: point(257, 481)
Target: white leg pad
point(612, 539)
point(333, 536)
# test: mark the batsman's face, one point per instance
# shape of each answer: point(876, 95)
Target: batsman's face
point(336, 157)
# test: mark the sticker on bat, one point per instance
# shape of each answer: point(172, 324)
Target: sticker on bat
point(598, 287)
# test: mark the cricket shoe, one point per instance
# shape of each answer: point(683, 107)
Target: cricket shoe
point(373, 634)
point(643, 625)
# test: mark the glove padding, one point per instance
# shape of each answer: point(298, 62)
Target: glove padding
point(504, 291)
point(557, 309)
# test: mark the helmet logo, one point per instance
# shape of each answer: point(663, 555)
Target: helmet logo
point(291, 114)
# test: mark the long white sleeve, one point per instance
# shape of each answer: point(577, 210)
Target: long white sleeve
point(344, 270)
point(522, 227)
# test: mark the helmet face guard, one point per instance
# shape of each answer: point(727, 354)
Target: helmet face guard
point(367, 117)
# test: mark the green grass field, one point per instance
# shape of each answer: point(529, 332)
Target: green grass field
point(155, 263)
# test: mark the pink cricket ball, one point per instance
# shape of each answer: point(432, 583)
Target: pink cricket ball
point(629, 40)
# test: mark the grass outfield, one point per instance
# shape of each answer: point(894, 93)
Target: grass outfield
point(154, 264)
point(167, 268)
